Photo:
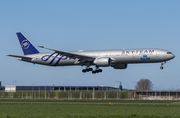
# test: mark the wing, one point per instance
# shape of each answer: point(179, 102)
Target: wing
point(71, 55)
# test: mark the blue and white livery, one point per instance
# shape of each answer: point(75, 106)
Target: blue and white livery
point(118, 59)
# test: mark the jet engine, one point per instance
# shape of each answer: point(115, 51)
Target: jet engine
point(102, 62)
point(120, 66)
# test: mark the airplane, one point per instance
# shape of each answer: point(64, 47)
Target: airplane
point(118, 59)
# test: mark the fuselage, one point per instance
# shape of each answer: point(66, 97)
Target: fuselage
point(127, 56)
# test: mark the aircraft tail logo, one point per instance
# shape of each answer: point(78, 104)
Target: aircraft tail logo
point(26, 45)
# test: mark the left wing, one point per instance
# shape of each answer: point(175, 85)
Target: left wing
point(71, 55)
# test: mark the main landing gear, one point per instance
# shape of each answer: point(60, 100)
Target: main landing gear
point(162, 63)
point(97, 70)
point(87, 70)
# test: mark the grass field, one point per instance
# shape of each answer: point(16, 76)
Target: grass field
point(36, 110)
point(84, 105)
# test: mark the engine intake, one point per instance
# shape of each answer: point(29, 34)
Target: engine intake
point(102, 62)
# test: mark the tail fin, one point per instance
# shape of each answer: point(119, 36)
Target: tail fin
point(26, 45)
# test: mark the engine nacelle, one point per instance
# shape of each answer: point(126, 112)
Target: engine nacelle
point(120, 66)
point(102, 62)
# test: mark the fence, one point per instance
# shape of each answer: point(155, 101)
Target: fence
point(68, 95)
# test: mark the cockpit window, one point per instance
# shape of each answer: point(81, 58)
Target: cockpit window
point(169, 52)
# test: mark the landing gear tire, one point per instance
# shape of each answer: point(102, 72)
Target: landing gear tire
point(100, 70)
point(93, 72)
point(97, 71)
point(90, 69)
point(161, 67)
point(87, 70)
point(84, 70)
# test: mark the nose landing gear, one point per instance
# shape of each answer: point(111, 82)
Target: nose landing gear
point(162, 63)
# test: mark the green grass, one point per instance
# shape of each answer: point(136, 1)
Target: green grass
point(36, 110)
point(60, 106)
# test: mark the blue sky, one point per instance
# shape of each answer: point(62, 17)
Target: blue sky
point(73, 25)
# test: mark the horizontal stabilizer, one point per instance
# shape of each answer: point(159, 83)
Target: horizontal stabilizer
point(19, 56)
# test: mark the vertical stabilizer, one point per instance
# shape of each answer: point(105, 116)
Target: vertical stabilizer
point(26, 45)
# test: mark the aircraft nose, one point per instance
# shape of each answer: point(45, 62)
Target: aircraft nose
point(170, 56)
point(173, 56)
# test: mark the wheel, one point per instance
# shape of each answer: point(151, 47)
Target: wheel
point(100, 70)
point(90, 69)
point(161, 67)
point(87, 70)
point(84, 70)
point(97, 71)
point(93, 72)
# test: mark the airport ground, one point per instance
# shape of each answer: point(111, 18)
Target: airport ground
point(34, 108)
point(84, 104)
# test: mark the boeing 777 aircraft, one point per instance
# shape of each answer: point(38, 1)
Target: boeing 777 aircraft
point(118, 59)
